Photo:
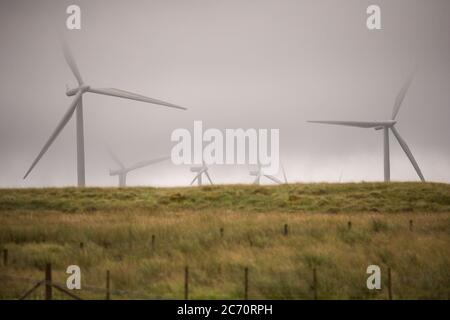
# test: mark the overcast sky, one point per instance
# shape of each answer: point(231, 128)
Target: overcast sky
point(234, 64)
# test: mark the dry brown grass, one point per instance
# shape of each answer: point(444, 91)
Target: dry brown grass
point(280, 266)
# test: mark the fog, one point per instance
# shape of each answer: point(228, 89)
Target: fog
point(233, 64)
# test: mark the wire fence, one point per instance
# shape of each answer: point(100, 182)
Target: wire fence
point(311, 289)
point(245, 287)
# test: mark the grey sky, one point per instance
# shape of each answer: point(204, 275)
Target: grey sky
point(233, 63)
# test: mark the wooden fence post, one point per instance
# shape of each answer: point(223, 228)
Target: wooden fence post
point(315, 283)
point(153, 241)
point(5, 257)
point(246, 283)
point(108, 287)
point(81, 245)
point(389, 284)
point(349, 225)
point(286, 229)
point(48, 282)
point(186, 283)
point(221, 232)
point(410, 225)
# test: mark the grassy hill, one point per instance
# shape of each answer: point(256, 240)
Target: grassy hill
point(324, 198)
point(146, 237)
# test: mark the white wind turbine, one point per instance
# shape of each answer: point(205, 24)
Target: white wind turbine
point(123, 170)
point(258, 174)
point(201, 170)
point(386, 125)
point(77, 104)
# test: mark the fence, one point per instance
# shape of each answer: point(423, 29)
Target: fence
point(48, 283)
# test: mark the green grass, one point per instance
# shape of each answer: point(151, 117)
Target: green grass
point(116, 226)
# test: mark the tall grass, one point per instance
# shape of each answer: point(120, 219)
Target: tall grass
point(116, 227)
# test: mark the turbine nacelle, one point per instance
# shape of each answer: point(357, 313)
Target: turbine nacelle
point(83, 88)
point(72, 92)
point(387, 125)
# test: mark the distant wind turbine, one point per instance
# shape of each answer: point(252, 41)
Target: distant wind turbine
point(77, 104)
point(123, 170)
point(340, 176)
point(385, 126)
point(259, 173)
point(201, 170)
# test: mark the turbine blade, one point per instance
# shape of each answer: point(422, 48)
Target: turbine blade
point(132, 96)
point(209, 178)
point(115, 158)
point(56, 132)
point(408, 153)
point(284, 174)
point(401, 95)
point(71, 62)
point(195, 178)
point(360, 124)
point(143, 164)
point(273, 179)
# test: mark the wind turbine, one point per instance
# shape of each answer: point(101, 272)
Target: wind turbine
point(258, 174)
point(77, 104)
point(386, 125)
point(340, 176)
point(123, 170)
point(200, 171)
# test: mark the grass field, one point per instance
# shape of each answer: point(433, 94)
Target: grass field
point(116, 227)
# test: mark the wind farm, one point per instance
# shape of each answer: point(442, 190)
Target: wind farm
point(216, 230)
point(219, 150)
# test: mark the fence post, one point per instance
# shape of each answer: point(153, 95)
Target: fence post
point(108, 287)
point(186, 283)
point(410, 225)
point(349, 225)
point(81, 245)
point(315, 283)
point(48, 282)
point(153, 241)
point(5, 257)
point(221, 232)
point(246, 283)
point(286, 229)
point(389, 284)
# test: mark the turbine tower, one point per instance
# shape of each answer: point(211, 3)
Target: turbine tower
point(386, 125)
point(200, 171)
point(123, 170)
point(77, 105)
point(258, 174)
